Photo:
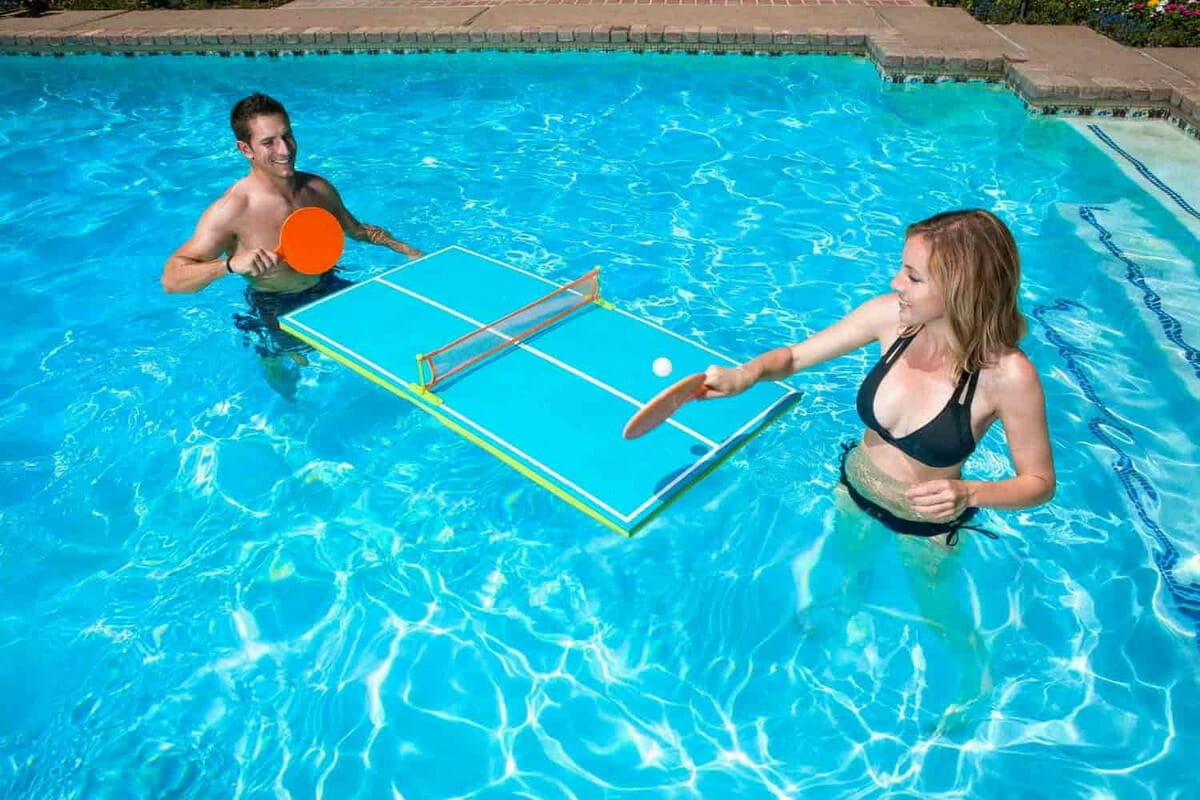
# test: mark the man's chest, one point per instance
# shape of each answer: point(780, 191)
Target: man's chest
point(259, 225)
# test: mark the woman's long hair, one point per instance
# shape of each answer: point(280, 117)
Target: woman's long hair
point(974, 260)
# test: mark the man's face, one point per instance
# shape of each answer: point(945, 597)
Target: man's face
point(272, 148)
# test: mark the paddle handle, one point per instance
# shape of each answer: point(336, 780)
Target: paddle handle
point(664, 405)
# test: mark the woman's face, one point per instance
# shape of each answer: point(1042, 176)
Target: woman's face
point(920, 297)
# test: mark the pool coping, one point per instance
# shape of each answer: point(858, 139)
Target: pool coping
point(1054, 70)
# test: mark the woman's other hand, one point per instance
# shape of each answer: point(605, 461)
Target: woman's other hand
point(940, 500)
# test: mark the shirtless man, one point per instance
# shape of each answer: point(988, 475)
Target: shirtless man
point(237, 234)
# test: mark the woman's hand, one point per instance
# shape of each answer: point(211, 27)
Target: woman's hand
point(940, 500)
point(725, 382)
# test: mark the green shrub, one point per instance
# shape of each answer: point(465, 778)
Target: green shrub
point(32, 8)
point(1167, 24)
point(1163, 23)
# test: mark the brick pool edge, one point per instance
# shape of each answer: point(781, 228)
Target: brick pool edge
point(1043, 90)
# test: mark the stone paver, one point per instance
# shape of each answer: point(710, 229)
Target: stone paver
point(1185, 60)
point(55, 21)
point(1055, 69)
point(733, 3)
point(1072, 66)
point(941, 30)
point(827, 18)
point(284, 17)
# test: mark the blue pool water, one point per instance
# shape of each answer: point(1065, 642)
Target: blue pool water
point(210, 591)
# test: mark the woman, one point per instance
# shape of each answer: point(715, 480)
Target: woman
point(951, 367)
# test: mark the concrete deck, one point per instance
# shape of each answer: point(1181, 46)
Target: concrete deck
point(1055, 69)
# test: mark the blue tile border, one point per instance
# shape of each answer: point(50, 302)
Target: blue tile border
point(1144, 171)
point(1135, 484)
point(1172, 328)
point(1138, 489)
point(1110, 431)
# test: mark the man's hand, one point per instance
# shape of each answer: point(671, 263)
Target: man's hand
point(256, 263)
point(376, 235)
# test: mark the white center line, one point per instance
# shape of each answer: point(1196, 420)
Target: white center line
point(547, 357)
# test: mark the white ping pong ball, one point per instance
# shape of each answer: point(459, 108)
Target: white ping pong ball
point(662, 367)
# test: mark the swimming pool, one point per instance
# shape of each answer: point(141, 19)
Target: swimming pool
point(209, 590)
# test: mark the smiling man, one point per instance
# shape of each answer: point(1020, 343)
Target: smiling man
point(237, 234)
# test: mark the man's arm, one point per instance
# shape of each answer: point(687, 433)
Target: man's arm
point(198, 262)
point(377, 235)
point(359, 231)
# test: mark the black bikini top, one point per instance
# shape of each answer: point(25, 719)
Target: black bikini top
point(946, 439)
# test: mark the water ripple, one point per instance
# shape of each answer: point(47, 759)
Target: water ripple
point(213, 590)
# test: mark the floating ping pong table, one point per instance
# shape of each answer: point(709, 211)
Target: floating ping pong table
point(541, 375)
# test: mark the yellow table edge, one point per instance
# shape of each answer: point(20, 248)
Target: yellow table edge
point(429, 405)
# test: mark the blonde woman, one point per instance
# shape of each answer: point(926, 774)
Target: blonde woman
point(950, 368)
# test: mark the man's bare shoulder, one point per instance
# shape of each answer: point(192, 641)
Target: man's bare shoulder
point(218, 228)
point(312, 182)
point(316, 191)
point(230, 205)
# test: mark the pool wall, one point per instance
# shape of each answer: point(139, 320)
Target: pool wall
point(1043, 66)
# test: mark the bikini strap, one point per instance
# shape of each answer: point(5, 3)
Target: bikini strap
point(970, 380)
point(952, 538)
point(898, 347)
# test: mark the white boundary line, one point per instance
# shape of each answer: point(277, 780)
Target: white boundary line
point(468, 421)
point(362, 359)
point(382, 276)
point(619, 310)
point(708, 350)
point(716, 451)
point(546, 357)
point(362, 283)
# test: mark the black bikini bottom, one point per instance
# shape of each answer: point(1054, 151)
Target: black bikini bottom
point(909, 527)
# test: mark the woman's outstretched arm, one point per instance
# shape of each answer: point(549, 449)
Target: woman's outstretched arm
point(861, 326)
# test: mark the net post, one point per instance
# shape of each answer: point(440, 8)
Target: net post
point(421, 387)
point(421, 370)
point(600, 301)
point(425, 394)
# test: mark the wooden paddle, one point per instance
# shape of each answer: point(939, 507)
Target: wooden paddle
point(664, 404)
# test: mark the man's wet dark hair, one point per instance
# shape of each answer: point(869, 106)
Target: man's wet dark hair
point(250, 107)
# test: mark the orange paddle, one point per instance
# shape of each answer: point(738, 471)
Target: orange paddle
point(311, 240)
point(664, 404)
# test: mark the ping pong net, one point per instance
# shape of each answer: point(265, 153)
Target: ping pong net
point(511, 329)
